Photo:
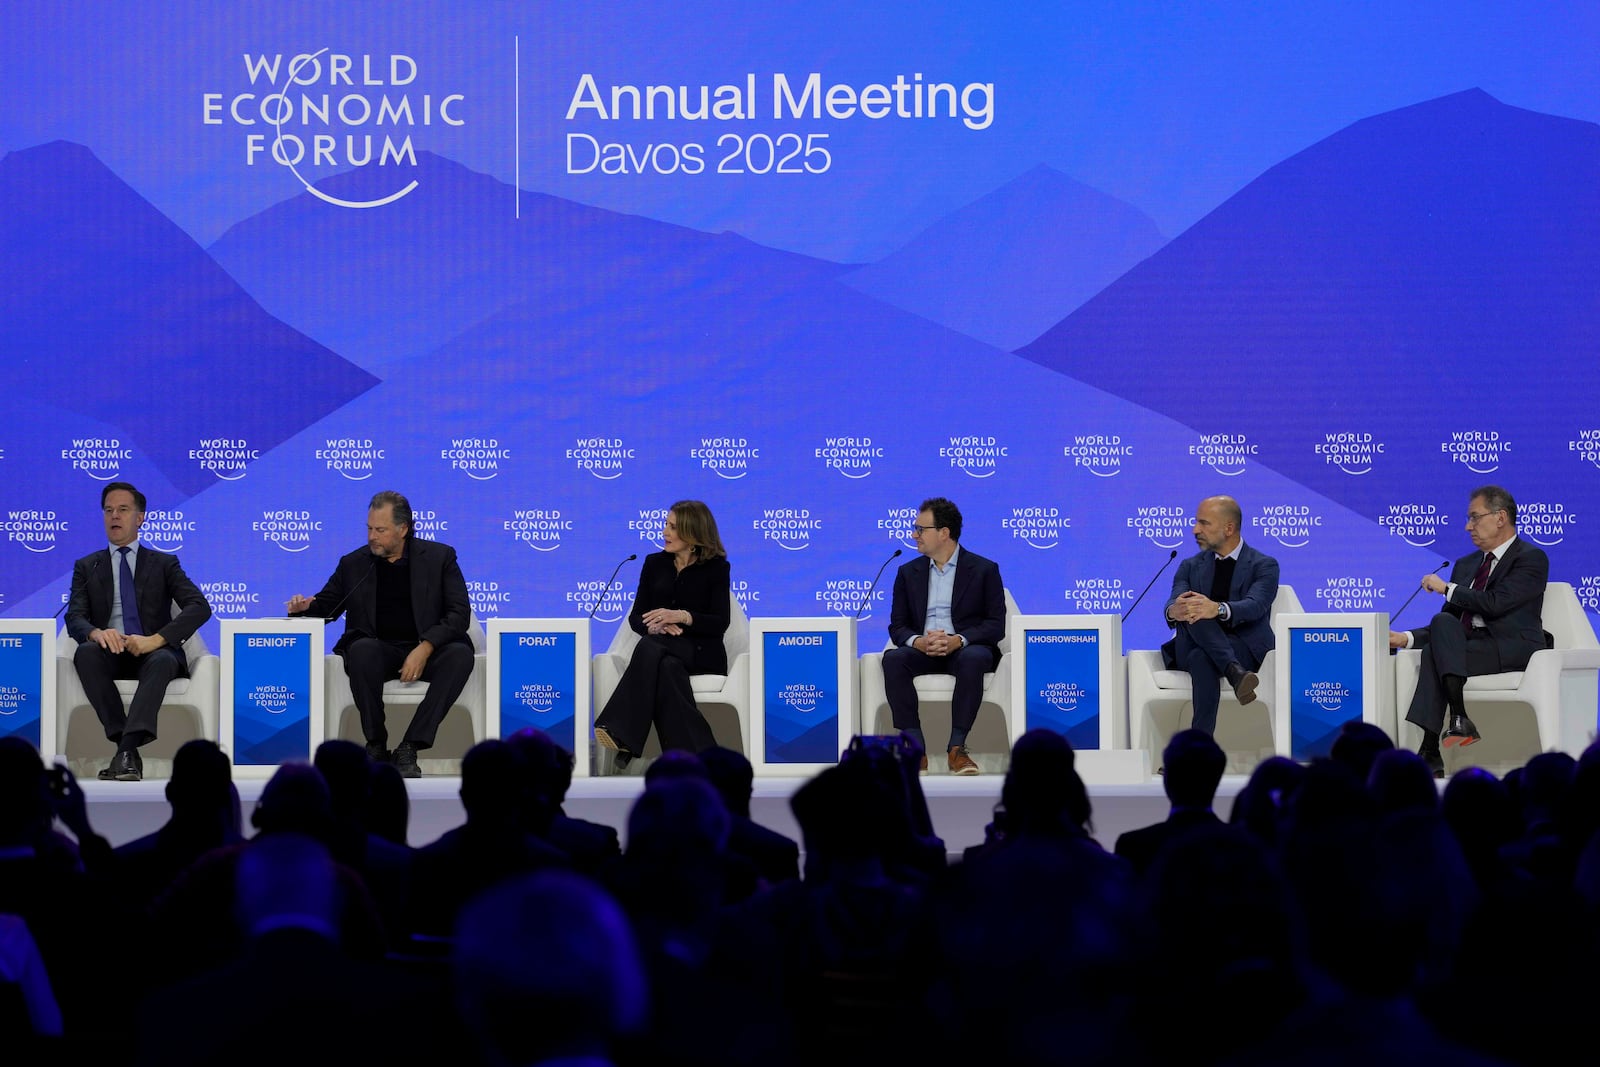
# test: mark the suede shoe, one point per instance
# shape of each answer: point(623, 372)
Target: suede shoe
point(961, 761)
point(1244, 682)
point(1459, 731)
point(405, 760)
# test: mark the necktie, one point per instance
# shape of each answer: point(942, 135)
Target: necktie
point(1480, 578)
point(130, 598)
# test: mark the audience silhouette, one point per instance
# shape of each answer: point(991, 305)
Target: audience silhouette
point(1341, 911)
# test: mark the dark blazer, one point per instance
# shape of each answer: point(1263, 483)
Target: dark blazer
point(1141, 847)
point(439, 601)
point(1511, 604)
point(1250, 594)
point(701, 589)
point(158, 581)
point(977, 603)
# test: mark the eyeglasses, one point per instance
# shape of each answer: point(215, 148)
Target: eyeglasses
point(1475, 517)
point(918, 531)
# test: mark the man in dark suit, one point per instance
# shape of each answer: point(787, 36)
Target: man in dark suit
point(948, 617)
point(1492, 621)
point(121, 613)
point(1221, 608)
point(407, 614)
point(1194, 766)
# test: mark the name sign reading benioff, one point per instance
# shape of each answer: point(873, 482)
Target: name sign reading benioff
point(271, 687)
point(1326, 687)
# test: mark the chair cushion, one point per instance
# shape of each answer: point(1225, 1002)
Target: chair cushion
point(1173, 680)
point(707, 683)
point(1495, 682)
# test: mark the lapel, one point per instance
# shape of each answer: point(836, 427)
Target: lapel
point(419, 582)
point(919, 591)
point(1204, 573)
point(959, 587)
point(102, 599)
point(1505, 561)
point(1239, 582)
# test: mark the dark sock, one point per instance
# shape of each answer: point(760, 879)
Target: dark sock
point(1453, 685)
point(1430, 743)
point(957, 738)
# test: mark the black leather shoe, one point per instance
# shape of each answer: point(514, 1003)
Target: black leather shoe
point(405, 760)
point(1459, 731)
point(379, 754)
point(1434, 760)
point(108, 773)
point(1244, 682)
point(126, 766)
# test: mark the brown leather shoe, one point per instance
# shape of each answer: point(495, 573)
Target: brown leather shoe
point(960, 761)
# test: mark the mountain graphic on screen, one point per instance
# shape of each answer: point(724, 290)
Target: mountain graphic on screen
point(381, 285)
point(1016, 261)
point(101, 286)
point(1442, 257)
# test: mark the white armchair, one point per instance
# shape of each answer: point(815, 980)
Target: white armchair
point(463, 725)
point(992, 735)
point(724, 699)
point(81, 739)
point(1559, 687)
point(1159, 700)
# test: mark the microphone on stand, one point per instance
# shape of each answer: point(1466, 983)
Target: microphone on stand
point(94, 568)
point(607, 587)
point(874, 583)
point(1148, 584)
point(334, 614)
point(1414, 593)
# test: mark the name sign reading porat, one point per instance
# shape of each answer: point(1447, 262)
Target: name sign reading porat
point(1063, 684)
point(538, 684)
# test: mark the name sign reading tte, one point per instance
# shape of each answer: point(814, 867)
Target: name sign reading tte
point(1326, 686)
point(1063, 684)
point(23, 680)
point(800, 687)
point(271, 692)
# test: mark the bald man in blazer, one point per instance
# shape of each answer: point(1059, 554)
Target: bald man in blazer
point(1224, 630)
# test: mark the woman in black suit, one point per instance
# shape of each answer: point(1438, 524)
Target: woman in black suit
point(680, 615)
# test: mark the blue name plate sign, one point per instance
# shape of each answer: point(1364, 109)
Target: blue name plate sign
point(539, 685)
point(272, 682)
point(1325, 687)
point(21, 686)
point(800, 681)
point(1063, 684)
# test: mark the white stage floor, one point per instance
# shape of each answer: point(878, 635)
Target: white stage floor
point(961, 807)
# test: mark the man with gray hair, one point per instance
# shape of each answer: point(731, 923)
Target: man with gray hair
point(406, 617)
point(1492, 621)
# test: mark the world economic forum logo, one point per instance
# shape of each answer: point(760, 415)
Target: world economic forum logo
point(726, 457)
point(12, 698)
point(900, 524)
point(850, 456)
point(101, 458)
point(1586, 446)
point(1036, 527)
point(538, 697)
point(1290, 525)
point(479, 458)
point(1329, 696)
point(318, 113)
point(1415, 523)
point(1480, 451)
point(788, 528)
point(1351, 452)
point(1544, 523)
point(540, 529)
point(272, 699)
point(846, 596)
point(601, 601)
point(1063, 696)
point(602, 457)
point(36, 530)
point(1099, 454)
point(165, 529)
point(287, 528)
point(801, 696)
point(229, 599)
point(488, 598)
point(353, 458)
point(649, 527)
point(1162, 525)
point(224, 457)
point(1224, 453)
point(975, 455)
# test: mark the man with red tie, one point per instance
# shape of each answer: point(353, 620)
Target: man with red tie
point(131, 609)
point(1491, 622)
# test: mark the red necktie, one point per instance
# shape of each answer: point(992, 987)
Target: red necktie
point(1479, 579)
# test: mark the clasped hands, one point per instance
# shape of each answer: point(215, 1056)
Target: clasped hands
point(938, 643)
point(116, 642)
point(669, 621)
point(1192, 607)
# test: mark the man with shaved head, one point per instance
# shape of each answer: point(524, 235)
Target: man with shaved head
point(1221, 608)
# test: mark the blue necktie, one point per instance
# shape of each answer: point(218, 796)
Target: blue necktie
point(130, 598)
